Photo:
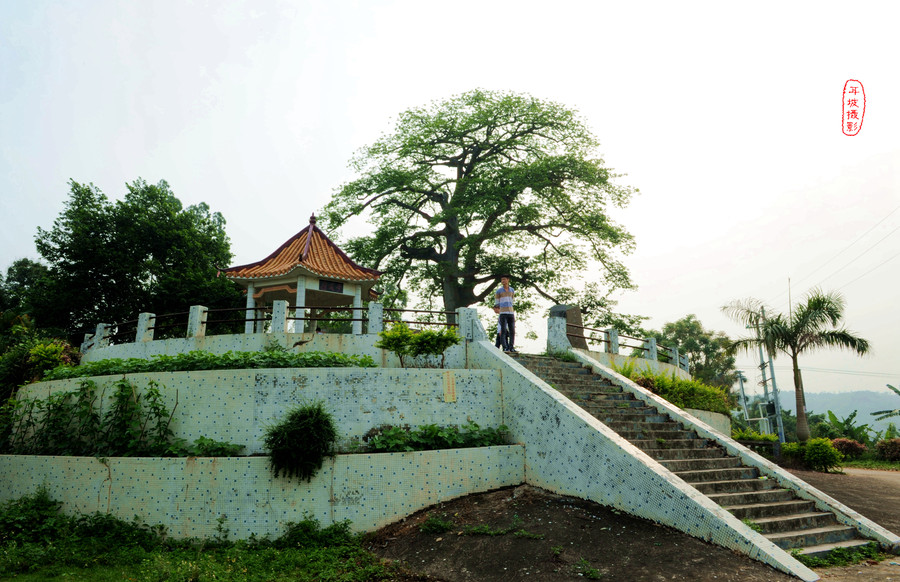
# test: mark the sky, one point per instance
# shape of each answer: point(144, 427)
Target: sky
point(727, 117)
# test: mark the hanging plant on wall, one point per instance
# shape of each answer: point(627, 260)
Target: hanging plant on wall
point(299, 443)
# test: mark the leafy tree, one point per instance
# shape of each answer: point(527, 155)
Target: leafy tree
point(481, 185)
point(708, 352)
point(812, 324)
point(21, 277)
point(110, 261)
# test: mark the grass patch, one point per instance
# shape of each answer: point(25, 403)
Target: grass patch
point(872, 464)
point(38, 542)
point(841, 556)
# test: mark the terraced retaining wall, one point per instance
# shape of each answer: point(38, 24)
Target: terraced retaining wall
point(189, 495)
point(236, 405)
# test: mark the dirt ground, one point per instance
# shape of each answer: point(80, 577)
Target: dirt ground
point(524, 533)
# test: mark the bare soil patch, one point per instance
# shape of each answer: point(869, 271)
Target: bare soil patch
point(540, 536)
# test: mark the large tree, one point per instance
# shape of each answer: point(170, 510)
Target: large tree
point(481, 185)
point(814, 323)
point(708, 352)
point(108, 261)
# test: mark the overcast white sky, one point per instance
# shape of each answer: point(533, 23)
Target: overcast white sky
point(726, 116)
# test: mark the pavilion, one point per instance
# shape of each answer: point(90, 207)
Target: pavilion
point(308, 271)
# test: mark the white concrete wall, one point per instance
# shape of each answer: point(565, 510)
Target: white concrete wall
point(188, 495)
point(237, 405)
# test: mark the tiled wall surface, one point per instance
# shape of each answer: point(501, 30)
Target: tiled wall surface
point(236, 405)
point(362, 344)
point(188, 495)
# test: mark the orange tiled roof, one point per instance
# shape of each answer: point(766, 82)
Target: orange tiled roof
point(312, 250)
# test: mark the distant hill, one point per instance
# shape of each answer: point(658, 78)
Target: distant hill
point(842, 404)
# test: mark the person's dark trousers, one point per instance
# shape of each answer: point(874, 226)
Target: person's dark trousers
point(508, 331)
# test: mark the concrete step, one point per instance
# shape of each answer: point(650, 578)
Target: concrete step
point(822, 550)
point(795, 521)
point(728, 500)
point(679, 465)
point(707, 475)
point(608, 416)
point(663, 436)
point(735, 486)
point(641, 426)
point(754, 511)
point(685, 454)
point(653, 444)
point(813, 537)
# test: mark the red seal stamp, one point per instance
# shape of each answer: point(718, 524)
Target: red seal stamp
point(853, 108)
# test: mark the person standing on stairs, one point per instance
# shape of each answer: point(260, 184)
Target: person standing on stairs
point(503, 306)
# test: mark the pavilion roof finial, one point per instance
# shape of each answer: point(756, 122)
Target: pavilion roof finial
point(309, 233)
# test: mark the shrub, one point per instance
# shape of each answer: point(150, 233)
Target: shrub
point(427, 342)
point(299, 443)
point(428, 437)
point(820, 455)
point(889, 450)
point(684, 393)
point(850, 448)
point(749, 434)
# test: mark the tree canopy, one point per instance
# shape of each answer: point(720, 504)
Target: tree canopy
point(708, 351)
point(812, 324)
point(481, 185)
point(108, 261)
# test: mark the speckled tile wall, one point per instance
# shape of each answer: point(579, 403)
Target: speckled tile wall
point(236, 405)
point(188, 496)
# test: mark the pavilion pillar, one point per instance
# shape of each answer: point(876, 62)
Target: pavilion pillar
point(357, 313)
point(249, 324)
point(300, 325)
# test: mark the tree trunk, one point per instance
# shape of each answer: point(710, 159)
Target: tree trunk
point(802, 422)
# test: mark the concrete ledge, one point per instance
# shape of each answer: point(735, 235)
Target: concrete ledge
point(188, 495)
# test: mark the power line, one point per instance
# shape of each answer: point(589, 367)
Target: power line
point(842, 251)
point(869, 271)
point(845, 372)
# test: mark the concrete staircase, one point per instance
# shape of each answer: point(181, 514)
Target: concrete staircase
point(778, 513)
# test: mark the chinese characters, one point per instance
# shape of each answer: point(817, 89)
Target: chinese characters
point(854, 107)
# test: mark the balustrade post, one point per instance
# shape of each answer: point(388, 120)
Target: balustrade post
point(376, 317)
point(101, 335)
point(470, 325)
point(557, 340)
point(650, 344)
point(197, 321)
point(279, 316)
point(612, 341)
point(144, 331)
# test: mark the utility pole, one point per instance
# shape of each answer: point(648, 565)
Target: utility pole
point(740, 377)
point(779, 422)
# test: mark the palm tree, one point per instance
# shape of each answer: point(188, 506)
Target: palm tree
point(812, 324)
point(883, 414)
